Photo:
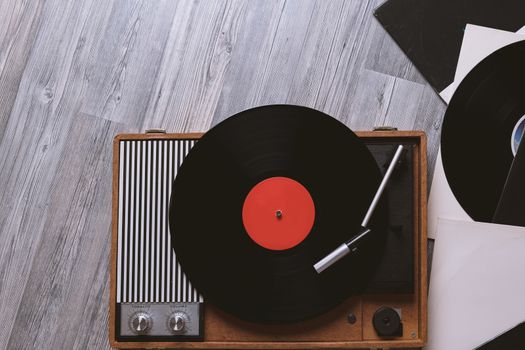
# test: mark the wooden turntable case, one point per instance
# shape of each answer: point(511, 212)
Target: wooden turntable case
point(332, 329)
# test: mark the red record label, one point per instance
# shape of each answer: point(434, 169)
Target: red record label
point(278, 213)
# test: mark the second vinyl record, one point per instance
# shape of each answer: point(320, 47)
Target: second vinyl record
point(261, 198)
point(482, 128)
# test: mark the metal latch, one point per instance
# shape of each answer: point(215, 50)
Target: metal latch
point(384, 128)
point(155, 131)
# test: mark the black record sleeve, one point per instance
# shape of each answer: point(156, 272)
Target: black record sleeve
point(510, 340)
point(430, 32)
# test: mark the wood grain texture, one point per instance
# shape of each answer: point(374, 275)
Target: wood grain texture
point(73, 74)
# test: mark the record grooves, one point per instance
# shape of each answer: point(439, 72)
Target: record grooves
point(239, 274)
point(478, 135)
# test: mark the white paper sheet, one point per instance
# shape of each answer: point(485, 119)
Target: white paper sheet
point(477, 284)
point(441, 202)
point(478, 43)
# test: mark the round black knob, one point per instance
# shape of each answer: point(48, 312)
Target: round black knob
point(387, 322)
point(177, 322)
point(140, 323)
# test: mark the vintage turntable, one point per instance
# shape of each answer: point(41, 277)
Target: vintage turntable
point(259, 203)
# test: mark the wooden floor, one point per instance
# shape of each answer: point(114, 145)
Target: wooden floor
point(74, 74)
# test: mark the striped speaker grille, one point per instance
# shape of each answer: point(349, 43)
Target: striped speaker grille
point(147, 267)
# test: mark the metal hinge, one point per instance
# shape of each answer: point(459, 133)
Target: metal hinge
point(155, 131)
point(384, 128)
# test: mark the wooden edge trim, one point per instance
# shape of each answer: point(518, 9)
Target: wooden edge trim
point(416, 240)
point(390, 134)
point(423, 237)
point(196, 135)
point(114, 236)
point(271, 345)
point(144, 136)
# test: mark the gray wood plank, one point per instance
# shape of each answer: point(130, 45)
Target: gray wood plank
point(431, 111)
point(249, 55)
point(74, 74)
point(123, 69)
point(31, 147)
point(315, 64)
point(19, 22)
point(274, 77)
point(192, 71)
point(68, 281)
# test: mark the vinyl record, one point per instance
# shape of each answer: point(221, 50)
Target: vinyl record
point(482, 126)
point(262, 197)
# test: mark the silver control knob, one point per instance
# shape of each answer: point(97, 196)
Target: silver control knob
point(140, 323)
point(177, 322)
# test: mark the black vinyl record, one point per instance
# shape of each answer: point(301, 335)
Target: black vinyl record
point(207, 213)
point(482, 127)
